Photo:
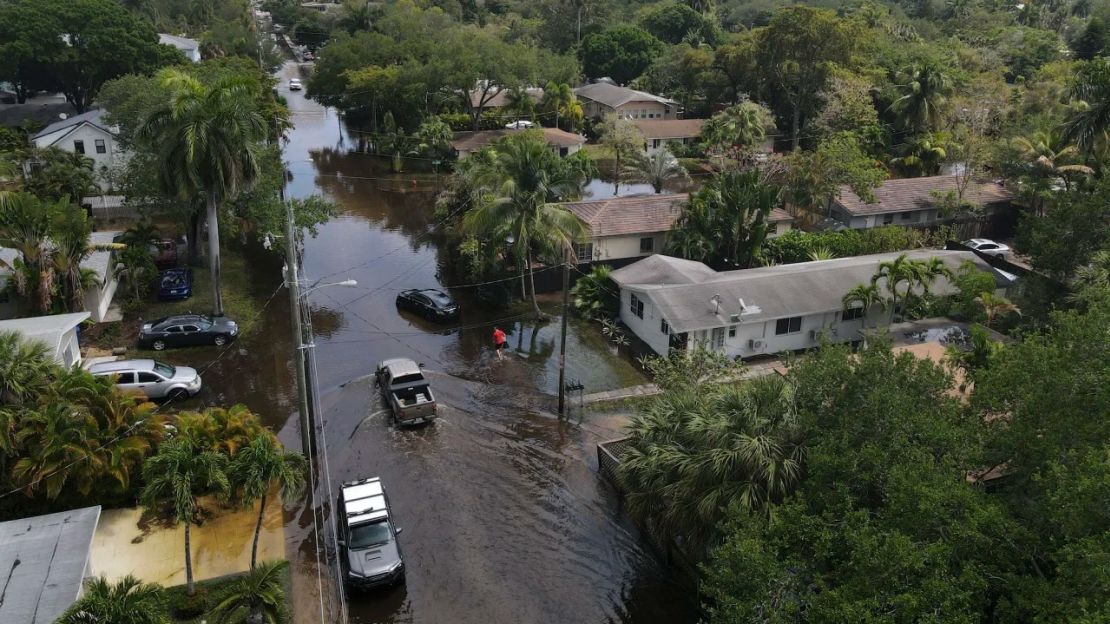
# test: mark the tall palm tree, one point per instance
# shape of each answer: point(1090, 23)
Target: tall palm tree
point(725, 222)
point(995, 306)
point(923, 90)
point(257, 597)
point(1047, 158)
point(559, 98)
point(1089, 122)
point(866, 296)
point(25, 227)
point(519, 102)
point(221, 430)
point(259, 466)
point(737, 127)
point(696, 453)
point(894, 272)
point(920, 156)
point(177, 475)
point(126, 601)
point(207, 138)
point(518, 186)
point(658, 170)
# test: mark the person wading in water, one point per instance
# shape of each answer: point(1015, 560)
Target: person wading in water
point(498, 341)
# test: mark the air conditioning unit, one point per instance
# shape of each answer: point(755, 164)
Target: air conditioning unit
point(755, 344)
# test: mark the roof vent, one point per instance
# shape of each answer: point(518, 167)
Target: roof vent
point(63, 116)
point(716, 301)
point(747, 309)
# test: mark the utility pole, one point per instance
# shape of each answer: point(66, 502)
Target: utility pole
point(292, 282)
point(563, 338)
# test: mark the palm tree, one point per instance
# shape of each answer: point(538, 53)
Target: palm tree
point(207, 140)
point(595, 294)
point(559, 98)
point(221, 430)
point(127, 601)
point(996, 305)
point(260, 465)
point(177, 475)
point(866, 296)
point(658, 170)
point(923, 96)
point(893, 273)
point(59, 446)
point(920, 156)
point(737, 127)
point(25, 227)
point(519, 102)
point(1089, 121)
point(257, 597)
point(1046, 159)
point(26, 369)
point(696, 453)
point(517, 187)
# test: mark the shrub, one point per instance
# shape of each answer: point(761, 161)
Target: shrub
point(185, 607)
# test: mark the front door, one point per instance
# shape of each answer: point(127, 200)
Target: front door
point(717, 342)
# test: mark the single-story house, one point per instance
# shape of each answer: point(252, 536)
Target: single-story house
point(634, 226)
point(671, 303)
point(44, 562)
point(86, 134)
point(658, 132)
point(98, 298)
point(562, 142)
point(57, 331)
point(501, 98)
point(601, 98)
point(189, 47)
point(912, 201)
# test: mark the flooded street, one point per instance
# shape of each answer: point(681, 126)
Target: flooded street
point(505, 518)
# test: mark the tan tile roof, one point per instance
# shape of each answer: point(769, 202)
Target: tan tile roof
point(501, 98)
point(636, 214)
point(472, 141)
point(669, 128)
point(917, 193)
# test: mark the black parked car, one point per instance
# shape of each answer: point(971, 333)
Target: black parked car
point(175, 284)
point(432, 304)
point(185, 330)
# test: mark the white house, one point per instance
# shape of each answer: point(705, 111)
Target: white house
point(658, 132)
point(912, 201)
point(561, 142)
point(98, 298)
point(58, 332)
point(189, 47)
point(601, 98)
point(85, 134)
point(635, 226)
point(672, 303)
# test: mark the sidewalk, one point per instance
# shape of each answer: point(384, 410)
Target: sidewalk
point(758, 369)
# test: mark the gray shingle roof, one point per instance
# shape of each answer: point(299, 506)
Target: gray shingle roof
point(683, 290)
point(917, 193)
point(42, 564)
point(48, 330)
point(94, 117)
point(614, 96)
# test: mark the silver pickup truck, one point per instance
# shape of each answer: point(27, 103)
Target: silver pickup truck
point(406, 391)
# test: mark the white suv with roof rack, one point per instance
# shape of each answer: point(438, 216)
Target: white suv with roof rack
point(368, 537)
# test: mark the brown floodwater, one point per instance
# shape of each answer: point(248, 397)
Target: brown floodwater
point(505, 517)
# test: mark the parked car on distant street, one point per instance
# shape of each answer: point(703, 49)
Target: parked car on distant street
point(156, 380)
point(295, 84)
point(432, 304)
point(520, 124)
point(989, 247)
point(186, 330)
point(406, 391)
point(175, 284)
point(164, 252)
point(372, 554)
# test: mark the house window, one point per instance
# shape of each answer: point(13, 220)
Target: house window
point(584, 251)
point(888, 219)
point(790, 325)
point(101, 147)
point(655, 143)
point(79, 147)
point(718, 339)
point(731, 331)
point(636, 306)
point(852, 314)
point(647, 244)
point(907, 216)
point(664, 326)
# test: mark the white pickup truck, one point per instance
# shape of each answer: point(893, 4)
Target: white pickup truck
point(406, 391)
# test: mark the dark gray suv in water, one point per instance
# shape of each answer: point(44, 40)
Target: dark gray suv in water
point(368, 537)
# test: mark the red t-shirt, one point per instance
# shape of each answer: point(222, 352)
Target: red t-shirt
point(498, 337)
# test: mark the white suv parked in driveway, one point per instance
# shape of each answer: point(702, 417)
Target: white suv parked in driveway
point(157, 380)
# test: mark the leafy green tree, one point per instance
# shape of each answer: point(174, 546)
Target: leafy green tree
point(725, 223)
point(624, 140)
point(737, 129)
point(1069, 233)
point(29, 37)
point(695, 454)
point(518, 182)
point(813, 178)
point(62, 175)
point(658, 169)
point(970, 282)
point(848, 106)
point(621, 53)
point(675, 23)
point(1092, 41)
point(207, 140)
point(175, 477)
point(257, 468)
point(923, 90)
point(257, 596)
point(126, 601)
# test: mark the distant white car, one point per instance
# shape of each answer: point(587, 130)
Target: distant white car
point(989, 247)
point(519, 124)
point(295, 84)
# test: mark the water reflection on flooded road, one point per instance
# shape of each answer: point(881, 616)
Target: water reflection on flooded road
point(505, 517)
